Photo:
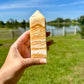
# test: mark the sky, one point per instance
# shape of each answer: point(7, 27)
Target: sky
point(51, 9)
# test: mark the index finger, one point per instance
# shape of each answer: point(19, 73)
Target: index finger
point(24, 37)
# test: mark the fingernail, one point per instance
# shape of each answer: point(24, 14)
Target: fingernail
point(43, 61)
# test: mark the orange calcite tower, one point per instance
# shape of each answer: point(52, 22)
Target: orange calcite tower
point(38, 35)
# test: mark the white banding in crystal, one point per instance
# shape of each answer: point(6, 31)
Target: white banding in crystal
point(39, 40)
point(44, 52)
point(38, 46)
point(36, 34)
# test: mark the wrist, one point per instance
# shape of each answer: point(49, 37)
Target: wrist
point(2, 78)
point(6, 77)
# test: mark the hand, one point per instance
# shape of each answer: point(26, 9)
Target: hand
point(18, 59)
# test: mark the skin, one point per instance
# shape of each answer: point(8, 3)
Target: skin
point(18, 59)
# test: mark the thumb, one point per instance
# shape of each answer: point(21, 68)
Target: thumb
point(34, 61)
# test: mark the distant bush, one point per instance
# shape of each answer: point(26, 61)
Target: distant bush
point(81, 32)
point(81, 20)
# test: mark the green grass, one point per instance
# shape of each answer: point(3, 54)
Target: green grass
point(4, 48)
point(4, 28)
point(65, 62)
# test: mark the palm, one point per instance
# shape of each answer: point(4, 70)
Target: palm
point(25, 51)
point(24, 45)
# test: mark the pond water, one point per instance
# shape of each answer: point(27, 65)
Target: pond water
point(58, 29)
point(59, 26)
point(54, 29)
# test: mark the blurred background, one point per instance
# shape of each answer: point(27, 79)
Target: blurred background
point(14, 16)
point(65, 21)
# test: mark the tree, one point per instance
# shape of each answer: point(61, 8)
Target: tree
point(59, 20)
point(11, 21)
point(27, 24)
point(81, 20)
point(74, 21)
point(23, 22)
point(67, 20)
point(16, 22)
point(2, 23)
point(8, 23)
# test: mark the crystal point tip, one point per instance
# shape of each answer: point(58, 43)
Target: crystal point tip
point(37, 14)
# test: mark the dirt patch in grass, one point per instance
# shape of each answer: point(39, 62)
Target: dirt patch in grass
point(79, 69)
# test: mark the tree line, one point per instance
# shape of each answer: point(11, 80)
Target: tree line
point(81, 21)
point(11, 21)
point(23, 23)
point(61, 20)
point(14, 23)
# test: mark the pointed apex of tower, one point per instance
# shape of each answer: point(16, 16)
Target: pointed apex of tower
point(37, 14)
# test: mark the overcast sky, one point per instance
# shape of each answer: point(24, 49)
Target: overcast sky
point(51, 9)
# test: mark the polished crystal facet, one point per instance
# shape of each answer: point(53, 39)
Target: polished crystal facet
point(38, 35)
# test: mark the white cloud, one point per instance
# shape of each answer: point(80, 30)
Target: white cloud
point(35, 4)
point(21, 4)
point(27, 4)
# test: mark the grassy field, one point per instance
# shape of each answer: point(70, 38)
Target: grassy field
point(65, 62)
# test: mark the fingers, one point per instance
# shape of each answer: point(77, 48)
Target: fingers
point(34, 61)
point(47, 47)
point(49, 42)
point(24, 37)
point(47, 34)
point(27, 43)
